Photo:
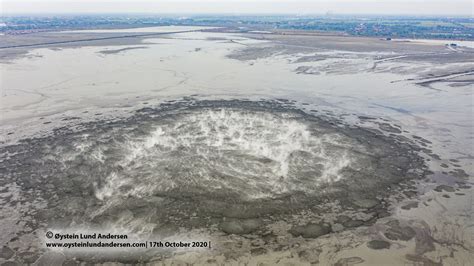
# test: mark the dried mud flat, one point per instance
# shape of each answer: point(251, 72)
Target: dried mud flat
point(297, 175)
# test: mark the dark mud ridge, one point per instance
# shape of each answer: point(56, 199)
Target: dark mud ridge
point(230, 167)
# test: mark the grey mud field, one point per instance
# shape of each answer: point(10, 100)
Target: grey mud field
point(278, 149)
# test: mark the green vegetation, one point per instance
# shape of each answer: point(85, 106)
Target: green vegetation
point(387, 26)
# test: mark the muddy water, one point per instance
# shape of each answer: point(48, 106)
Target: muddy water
point(134, 128)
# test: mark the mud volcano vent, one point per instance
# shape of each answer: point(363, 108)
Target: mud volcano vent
point(213, 161)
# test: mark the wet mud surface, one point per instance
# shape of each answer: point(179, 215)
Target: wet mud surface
point(229, 167)
point(363, 158)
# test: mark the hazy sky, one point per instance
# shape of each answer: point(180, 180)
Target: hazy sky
point(395, 7)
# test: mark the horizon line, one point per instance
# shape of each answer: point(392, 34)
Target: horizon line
point(327, 14)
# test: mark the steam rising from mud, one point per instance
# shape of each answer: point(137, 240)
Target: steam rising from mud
point(250, 154)
point(232, 166)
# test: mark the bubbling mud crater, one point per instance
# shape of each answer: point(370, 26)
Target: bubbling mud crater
point(233, 166)
point(231, 152)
